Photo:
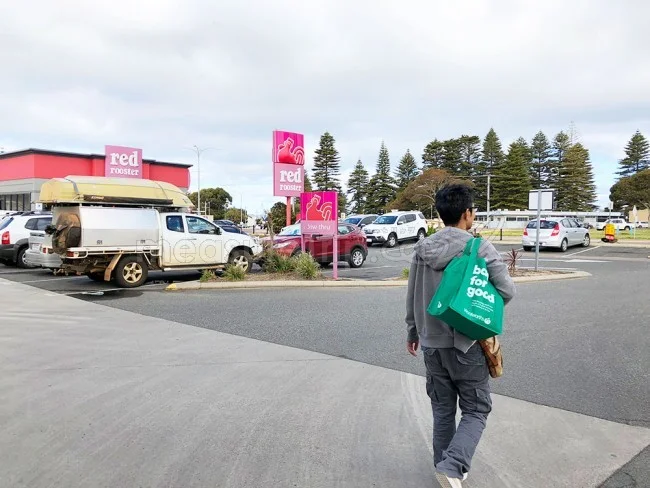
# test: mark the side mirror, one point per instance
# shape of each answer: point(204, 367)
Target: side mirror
point(400, 223)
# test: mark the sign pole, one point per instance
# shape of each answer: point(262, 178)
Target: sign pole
point(335, 274)
point(288, 211)
point(539, 216)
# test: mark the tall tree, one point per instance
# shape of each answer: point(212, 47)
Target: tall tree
point(491, 158)
point(453, 158)
point(420, 193)
point(214, 201)
point(296, 200)
point(326, 165)
point(381, 187)
point(576, 189)
point(513, 177)
point(358, 188)
point(541, 170)
point(406, 171)
point(632, 190)
point(637, 156)
point(434, 155)
point(470, 153)
point(561, 144)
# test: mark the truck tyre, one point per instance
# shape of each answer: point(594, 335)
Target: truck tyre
point(240, 258)
point(131, 272)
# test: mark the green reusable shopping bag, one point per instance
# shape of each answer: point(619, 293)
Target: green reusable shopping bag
point(466, 300)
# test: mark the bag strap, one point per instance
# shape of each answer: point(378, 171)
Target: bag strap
point(472, 246)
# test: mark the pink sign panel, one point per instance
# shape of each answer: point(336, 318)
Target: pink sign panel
point(123, 162)
point(288, 180)
point(319, 213)
point(288, 147)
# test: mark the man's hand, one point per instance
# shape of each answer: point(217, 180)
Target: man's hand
point(412, 348)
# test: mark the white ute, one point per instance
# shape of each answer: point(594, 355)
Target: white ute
point(123, 242)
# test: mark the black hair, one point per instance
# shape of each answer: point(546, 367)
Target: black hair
point(452, 201)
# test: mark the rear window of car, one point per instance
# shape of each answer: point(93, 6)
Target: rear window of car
point(5, 222)
point(543, 224)
point(352, 220)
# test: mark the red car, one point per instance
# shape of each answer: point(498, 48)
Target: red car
point(352, 243)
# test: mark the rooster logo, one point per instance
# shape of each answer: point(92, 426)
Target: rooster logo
point(290, 156)
point(318, 212)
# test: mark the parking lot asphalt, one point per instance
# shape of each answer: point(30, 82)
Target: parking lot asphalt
point(579, 345)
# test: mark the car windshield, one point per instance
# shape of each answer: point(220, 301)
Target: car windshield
point(543, 224)
point(386, 219)
point(293, 230)
point(352, 220)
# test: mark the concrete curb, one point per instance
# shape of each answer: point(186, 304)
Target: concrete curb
point(614, 245)
point(197, 285)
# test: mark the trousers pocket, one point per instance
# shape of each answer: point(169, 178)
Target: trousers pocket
point(473, 357)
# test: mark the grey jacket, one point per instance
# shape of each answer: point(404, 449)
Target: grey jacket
point(431, 257)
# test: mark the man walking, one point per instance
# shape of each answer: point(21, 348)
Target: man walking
point(457, 370)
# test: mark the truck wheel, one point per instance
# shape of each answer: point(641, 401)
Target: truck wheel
point(131, 272)
point(241, 259)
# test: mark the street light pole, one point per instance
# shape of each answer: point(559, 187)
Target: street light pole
point(198, 152)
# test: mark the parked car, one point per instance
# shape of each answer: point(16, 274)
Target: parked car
point(393, 227)
point(232, 229)
point(642, 225)
point(561, 234)
point(352, 245)
point(14, 235)
point(361, 220)
point(221, 222)
point(620, 224)
point(39, 253)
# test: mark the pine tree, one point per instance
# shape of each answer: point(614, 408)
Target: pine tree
point(577, 190)
point(381, 187)
point(453, 158)
point(434, 155)
point(513, 178)
point(358, 188)
point(296, 200)
point(406, 171)
point(470, 154)
point(541, 170)
point(491, 158)
point(326, 165)
point(637, 156)
point(561, 144)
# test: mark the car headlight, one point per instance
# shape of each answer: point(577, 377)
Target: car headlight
point(280, 245)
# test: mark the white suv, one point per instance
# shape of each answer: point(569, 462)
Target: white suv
point(14, 235)
point(620, 224)
point(393, 227)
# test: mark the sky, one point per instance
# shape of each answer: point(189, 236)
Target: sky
point(165, 75)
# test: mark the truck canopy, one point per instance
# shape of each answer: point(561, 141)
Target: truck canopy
point(112, 191)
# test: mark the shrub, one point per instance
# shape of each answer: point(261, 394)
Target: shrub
point(276, 263)
point(405, 273)
point(234, 273)
point(511, 259)
point(207, 275)
point(431, 230)
point(306, 267)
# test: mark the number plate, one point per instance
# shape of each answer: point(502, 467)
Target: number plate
point(36, 247)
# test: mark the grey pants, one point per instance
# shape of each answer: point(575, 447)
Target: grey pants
point(456, 377)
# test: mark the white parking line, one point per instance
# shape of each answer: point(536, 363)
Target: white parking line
point(584, 250)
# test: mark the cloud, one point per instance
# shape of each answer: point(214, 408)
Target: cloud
point(168, 74)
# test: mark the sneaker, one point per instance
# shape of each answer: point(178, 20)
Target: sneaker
point(447, 482)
